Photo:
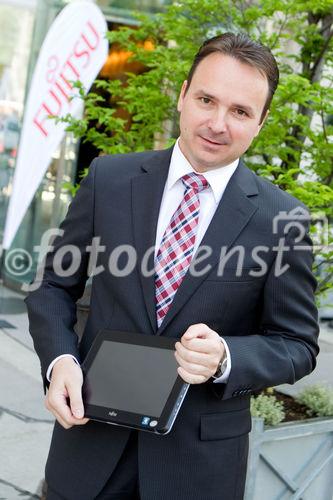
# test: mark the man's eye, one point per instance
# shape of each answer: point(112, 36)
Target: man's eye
point(205, 100)
point(241, 112)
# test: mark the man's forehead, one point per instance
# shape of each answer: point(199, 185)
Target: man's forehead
point(219, 59)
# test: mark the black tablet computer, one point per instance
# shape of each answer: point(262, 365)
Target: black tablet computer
point(131, 379)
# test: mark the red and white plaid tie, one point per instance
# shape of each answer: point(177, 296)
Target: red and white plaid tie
point(176, 250)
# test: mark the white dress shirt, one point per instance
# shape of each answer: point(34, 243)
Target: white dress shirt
point(172, 196)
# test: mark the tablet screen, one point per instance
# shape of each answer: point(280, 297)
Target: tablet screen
point(132, 378)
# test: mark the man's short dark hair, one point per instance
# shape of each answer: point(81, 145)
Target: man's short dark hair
point(245, 50)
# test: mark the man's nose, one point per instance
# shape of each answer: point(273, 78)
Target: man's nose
point(218, 121)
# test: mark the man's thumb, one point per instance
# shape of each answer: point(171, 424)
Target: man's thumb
point(189, 335)
point(76, 403)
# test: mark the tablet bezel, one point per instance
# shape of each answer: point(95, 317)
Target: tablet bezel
point(128, 419)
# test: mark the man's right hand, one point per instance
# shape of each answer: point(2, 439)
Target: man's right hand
point(64, 398)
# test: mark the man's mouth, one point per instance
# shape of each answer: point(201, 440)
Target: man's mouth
point(214, 142)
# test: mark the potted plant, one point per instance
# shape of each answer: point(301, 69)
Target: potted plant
point(291, 446)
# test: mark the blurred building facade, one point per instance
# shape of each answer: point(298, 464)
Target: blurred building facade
point(23, 26)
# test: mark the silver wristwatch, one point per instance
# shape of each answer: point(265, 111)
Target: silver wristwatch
point(222, 366)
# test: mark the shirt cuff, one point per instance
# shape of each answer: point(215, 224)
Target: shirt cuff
point(49, 370)
point(224, 377)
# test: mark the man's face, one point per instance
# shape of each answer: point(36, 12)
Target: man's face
point(220, 113)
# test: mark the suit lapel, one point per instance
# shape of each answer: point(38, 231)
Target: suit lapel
point(147, 191)
point(232, 215)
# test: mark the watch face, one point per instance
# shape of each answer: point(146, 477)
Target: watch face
point(224, 364)
point(222, 368)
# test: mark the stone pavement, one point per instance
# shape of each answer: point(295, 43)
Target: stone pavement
point(26, 426)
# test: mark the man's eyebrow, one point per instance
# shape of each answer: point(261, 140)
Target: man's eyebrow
point(206, 94)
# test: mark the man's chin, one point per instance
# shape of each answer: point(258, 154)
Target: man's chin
point(204, 158)
point(208, 161)
point(205, 166)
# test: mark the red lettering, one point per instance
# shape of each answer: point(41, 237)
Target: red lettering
point(69, 64)
point(97, 38)
point(67, 96)
point(81, 53)
point(53, 64)
point(57, 100)
point(67, 82)
point(53, 106)
point(39, 124)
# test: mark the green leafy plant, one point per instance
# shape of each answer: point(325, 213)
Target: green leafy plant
point(267, 407)
point(294, 149)
point(319, 400)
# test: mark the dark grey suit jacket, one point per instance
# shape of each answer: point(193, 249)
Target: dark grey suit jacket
point(269, 323)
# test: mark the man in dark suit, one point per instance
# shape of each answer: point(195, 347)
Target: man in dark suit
point(231, 282)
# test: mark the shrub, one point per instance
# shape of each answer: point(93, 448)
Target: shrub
point(319, 400)
point(268, 408)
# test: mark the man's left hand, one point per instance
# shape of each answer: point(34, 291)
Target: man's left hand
point(198, 354)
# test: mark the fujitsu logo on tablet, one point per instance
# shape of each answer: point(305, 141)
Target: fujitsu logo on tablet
point(113, 413)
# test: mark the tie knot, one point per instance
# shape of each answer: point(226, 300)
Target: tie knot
point(195, 181)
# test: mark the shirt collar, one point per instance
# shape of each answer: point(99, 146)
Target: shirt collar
point(218, 178)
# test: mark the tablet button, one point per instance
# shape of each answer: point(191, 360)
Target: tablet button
point(153, 423)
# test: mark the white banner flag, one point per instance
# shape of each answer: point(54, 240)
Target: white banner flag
point(75, 48)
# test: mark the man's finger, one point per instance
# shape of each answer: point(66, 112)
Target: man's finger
point(193, 368)
point(197, 330)
point(51, 405)
point(193, 355)
point(200, 338)
point(189, 377)
point(61, 421)
point(58, 405)
point(69, 421)
point(65, 399)
point(202, 345)
point(60, 409)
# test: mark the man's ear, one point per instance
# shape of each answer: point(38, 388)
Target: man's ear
point(181, 96)
point(261, 124)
